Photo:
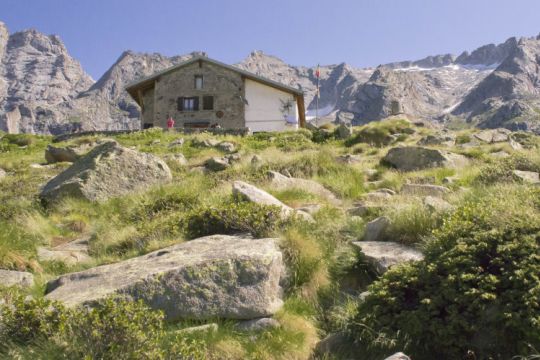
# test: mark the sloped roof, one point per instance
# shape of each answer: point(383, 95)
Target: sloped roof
point(147, 81)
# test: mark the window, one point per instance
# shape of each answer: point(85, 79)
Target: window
point(198, 82)
point(188, 103)
point(208, 102)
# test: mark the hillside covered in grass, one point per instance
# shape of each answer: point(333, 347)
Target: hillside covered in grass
point(387, 238)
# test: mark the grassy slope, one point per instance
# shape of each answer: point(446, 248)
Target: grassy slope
point(319, 255)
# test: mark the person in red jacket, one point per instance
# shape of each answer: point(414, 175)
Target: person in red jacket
point(170, 122)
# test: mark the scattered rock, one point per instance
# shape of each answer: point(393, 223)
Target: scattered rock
point(385, 254)
point(178, 159)
point(370, 172)
point(417, 158)
point(344, 131)
point(515, 145)
point(450, 179)
point(16, 278)
point(177, 142)
point(361, 209)
point(331, 344)
point(500, 154)
point(198, 169)
point(233, 158)
point(71, 253)
point(155, 142)
point(206, 328)
point(226, 146)
point(3, 173)
point(256, 159)
point(437, 204)
point(442, 139)
point(107, 171)
point(61, 154)
point(215, 276)
point(282, 182)
point(386, 191)
point(217, 164)
point(424, 190)
point(376, 229)
point(253, 194)
point(376, 196)
point(257, 325)
point(206, 143)
point(530, 177)
point(349, 159)
point(398, 356)
point(493, 135)
point(310, 208)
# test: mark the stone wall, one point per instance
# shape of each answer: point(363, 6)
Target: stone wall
point(225, 85)
point(148, 102)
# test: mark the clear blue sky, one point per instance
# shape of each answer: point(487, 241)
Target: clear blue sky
point(359, 32)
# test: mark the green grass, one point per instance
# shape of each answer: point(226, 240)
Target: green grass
point(325, 273)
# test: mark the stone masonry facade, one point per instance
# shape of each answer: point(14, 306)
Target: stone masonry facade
point(224, 85)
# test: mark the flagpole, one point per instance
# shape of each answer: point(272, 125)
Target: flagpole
point(318, 74)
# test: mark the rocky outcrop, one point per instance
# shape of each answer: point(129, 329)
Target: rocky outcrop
point(384, 254)
point(418, 158)
point(211, 277)
point(107, 171)
point(38, 78)
point(16, 278)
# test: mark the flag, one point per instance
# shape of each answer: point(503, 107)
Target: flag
point(317, 72)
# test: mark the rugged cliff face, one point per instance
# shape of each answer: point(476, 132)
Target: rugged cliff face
point(44, 90)
point(37, 77)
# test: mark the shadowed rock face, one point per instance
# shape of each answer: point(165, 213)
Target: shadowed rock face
point(107, 171)
point(215, 276)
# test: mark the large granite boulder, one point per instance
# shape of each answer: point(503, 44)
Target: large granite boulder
point(16, 278)
point(253, 194)
point(527, 176)
point(493, 135)
point(398, 356)
point(282, 182)
point(216, 276)
point(107, 171)
point(411, 158)
point(385, 254)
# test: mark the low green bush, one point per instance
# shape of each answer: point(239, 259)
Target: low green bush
point(112, 329)
point(501, 170)
point(231, 218)
point(477, 291)
point(380, 133)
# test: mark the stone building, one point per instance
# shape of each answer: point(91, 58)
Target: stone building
point(202, 92)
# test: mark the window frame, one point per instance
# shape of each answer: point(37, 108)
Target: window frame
point(201, 78)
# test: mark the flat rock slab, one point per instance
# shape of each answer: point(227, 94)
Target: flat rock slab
point(411, 158)
point(16, 278)
point(493, 135)
point(253, 194)
point(385, 254)
point(424, 190)
point(282, 182)
point(530, 177)
point(216, 276)
point(108, 170)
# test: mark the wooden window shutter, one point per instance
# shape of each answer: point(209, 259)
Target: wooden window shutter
point(180, 104)
point(196, 103)
point(208, 103)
